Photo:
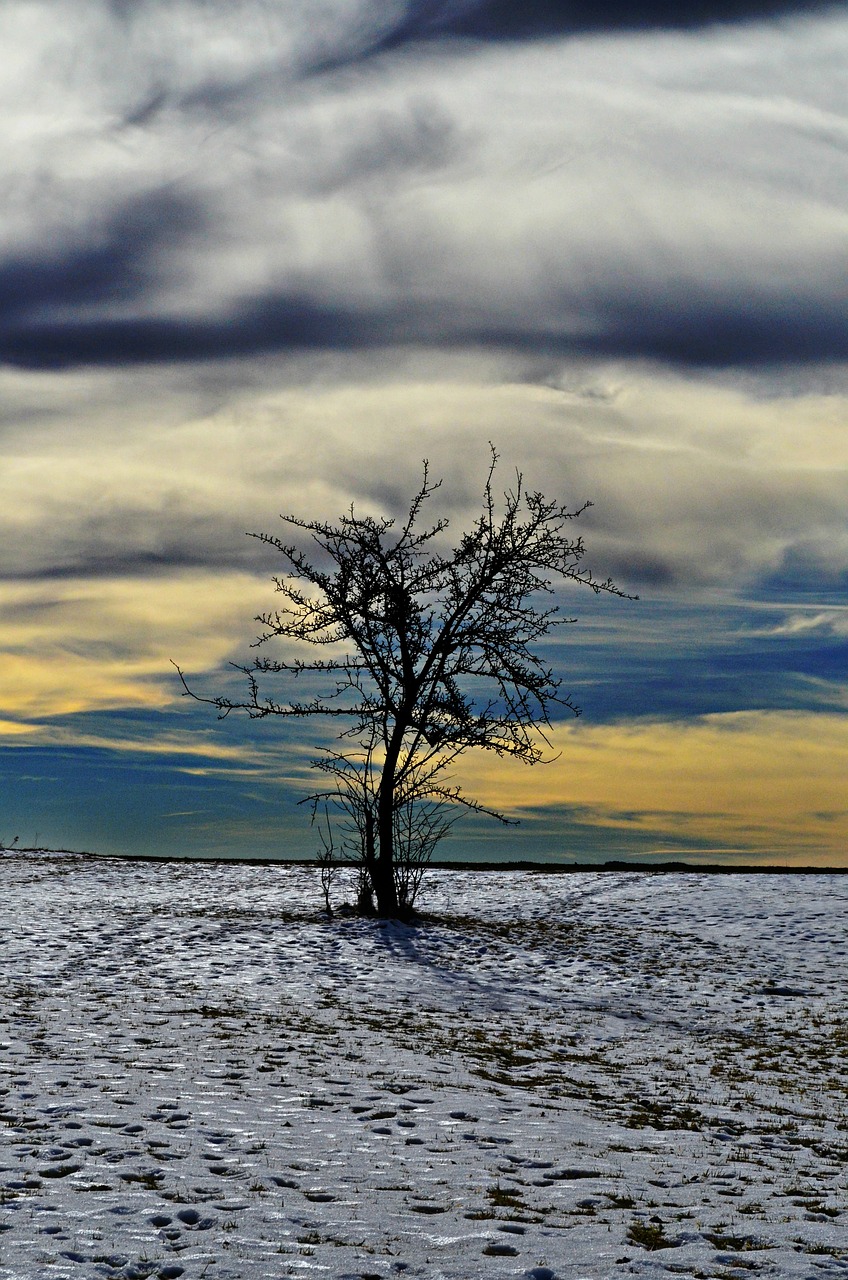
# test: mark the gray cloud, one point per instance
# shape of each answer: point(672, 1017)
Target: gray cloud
point(665, 196)
point(684, 329)
point(118, 259)
point(541, 19)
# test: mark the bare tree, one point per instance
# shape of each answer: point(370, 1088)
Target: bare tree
point(427, 653)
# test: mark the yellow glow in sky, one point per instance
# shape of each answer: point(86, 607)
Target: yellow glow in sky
point(765, 782)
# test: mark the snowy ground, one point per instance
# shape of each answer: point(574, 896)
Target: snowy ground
point(590, 1075)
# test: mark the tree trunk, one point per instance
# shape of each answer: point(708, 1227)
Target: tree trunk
point(383, 873)
point(366, 880)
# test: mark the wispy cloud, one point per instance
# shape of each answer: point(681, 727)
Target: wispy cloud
point(832, 621)
point(80, 646)
point(16, 729)
point(695, 483)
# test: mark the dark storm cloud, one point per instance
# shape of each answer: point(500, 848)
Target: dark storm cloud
point(277, 324)
point(537, 19)
point(692, 331)
point(733, 334)
point(119, 260)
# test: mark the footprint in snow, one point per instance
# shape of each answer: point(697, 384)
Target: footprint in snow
point(191, 1218)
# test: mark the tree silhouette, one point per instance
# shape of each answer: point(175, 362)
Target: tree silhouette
point(427, 653)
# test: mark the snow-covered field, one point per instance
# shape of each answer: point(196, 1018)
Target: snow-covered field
point(579, 1075)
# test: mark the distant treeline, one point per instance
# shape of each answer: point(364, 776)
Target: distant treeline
point(540, 868)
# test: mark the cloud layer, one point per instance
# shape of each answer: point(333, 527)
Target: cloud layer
point(186, 191)
point(695, 484)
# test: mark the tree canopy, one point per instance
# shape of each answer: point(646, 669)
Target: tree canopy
point(426, 651)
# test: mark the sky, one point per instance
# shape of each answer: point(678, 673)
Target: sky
point(260, 256)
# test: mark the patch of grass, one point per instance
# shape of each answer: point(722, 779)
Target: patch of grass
point(213, 1011)
point(813, 1204)
point(752, 1209)
point(737, 1244)
point(649, 1235)
point(619, 1201)
point(824, 1250)
point(657, 1113)
point(149, 1178)
point(502, 1198)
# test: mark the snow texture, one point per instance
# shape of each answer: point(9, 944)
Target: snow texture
point(579, 1076)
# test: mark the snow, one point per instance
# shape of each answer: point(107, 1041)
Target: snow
point(580, 1076)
